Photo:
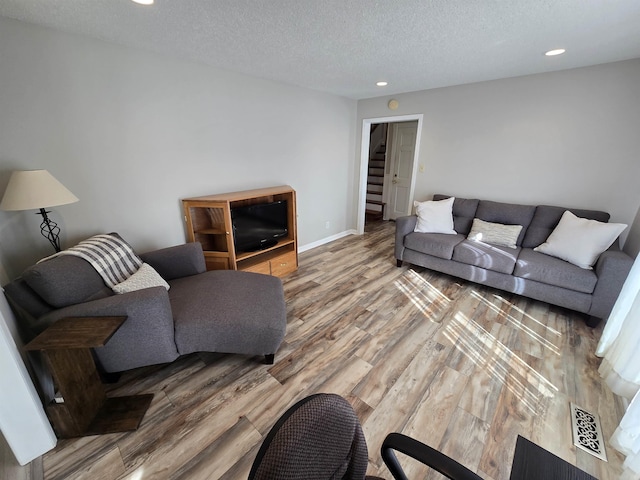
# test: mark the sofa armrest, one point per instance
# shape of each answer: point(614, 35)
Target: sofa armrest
point(178, 261)
point(145, 338)
point(404, 226)
point(612, 269)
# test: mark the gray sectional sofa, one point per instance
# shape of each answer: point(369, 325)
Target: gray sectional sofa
point(519, 270)
point(222, 311)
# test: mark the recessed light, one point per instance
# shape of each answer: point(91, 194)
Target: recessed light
point(382, 84)
point(553, 53)
point(143, 2)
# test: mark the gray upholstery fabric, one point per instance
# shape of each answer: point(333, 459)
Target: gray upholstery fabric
point(178, 261)
point(146, 338)
point(580, 302)
point(318, 438)
point(66, 280)
point(547, 218)
point(437, 244)
point(464, 211)
point(228, 311)
point(553, 271)
point(506, 213)
point(23, 297)
point(612, 269)
point(404, 226)
point(571, 299)
point(492, 257)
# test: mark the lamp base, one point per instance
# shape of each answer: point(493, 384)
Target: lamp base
point(49, 229)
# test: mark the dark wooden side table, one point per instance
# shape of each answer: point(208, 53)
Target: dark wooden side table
point(532, 462)
point(85, 408)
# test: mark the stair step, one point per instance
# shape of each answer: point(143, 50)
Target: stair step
point(378, 175)
point(375, 181)
point(373, 192)
point(373, 215)
point(375, 202)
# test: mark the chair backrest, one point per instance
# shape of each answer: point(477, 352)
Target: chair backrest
point(424, 454)
point(319, 437)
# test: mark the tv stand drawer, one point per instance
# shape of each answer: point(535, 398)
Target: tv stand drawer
point(262, 267)
point(278, 265)
point(284, 264)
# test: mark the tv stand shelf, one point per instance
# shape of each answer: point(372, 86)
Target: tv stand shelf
point(208, 221)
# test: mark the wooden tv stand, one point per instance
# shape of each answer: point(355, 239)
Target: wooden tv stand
point(208, 221)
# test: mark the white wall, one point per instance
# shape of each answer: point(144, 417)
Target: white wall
point(566, 138)
point(22, 419)
point(131, 133)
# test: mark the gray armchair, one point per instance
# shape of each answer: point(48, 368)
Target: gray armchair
point(216, 311)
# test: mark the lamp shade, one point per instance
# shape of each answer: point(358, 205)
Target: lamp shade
point(34, 189)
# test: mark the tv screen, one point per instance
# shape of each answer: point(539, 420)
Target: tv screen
point(256, 227)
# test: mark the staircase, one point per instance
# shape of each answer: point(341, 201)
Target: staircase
point(374, 209)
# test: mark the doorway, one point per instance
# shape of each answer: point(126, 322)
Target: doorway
point(400, 166)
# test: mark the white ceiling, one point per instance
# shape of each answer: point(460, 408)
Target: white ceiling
point(345, 46)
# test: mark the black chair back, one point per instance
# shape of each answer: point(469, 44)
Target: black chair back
point(318, 438)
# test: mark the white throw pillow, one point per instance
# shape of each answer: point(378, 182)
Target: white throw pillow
point(145, 277)
point(435, 216)
point(494, 233)
point(580, 241)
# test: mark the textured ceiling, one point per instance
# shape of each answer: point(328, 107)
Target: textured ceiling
point(345, 46)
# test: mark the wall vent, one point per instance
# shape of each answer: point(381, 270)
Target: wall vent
point(587, 434)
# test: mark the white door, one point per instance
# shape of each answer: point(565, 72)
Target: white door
point(401, 168)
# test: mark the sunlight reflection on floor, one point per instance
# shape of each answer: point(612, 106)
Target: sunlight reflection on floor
point(480, 346)
point(427, 298)
point(517, 323)
point(500, 362)
point(138, 474)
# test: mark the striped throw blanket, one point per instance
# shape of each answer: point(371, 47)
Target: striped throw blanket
point(110, 255)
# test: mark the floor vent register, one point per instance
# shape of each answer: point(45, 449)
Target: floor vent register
point(587, 434)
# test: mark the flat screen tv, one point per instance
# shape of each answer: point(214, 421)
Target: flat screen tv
point(257, 227)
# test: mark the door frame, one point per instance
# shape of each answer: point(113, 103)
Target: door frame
point(364, 159)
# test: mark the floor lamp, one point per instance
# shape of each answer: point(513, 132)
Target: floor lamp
point(37, 189)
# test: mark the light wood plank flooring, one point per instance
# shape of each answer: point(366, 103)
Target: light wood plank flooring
point(458, 366)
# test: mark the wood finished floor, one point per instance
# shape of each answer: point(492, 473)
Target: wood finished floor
point(458, 366)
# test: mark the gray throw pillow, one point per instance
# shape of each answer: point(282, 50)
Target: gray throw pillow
point(65, 280)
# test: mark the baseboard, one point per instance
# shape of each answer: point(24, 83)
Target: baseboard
point(326, 240)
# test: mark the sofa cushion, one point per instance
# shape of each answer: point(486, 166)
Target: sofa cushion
point(145, 277)
point(434, 216)
point(66, 280)
point(28, 304)
point(492, 257)
point(494, 233)
point(212, 312)
point(547, 218)
point(580, 240)
point(177, 261)
point(506, 213)
point(464, 211)
point(436, 244)
point(554, 271)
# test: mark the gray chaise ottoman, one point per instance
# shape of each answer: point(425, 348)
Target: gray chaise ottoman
point(246, 315)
